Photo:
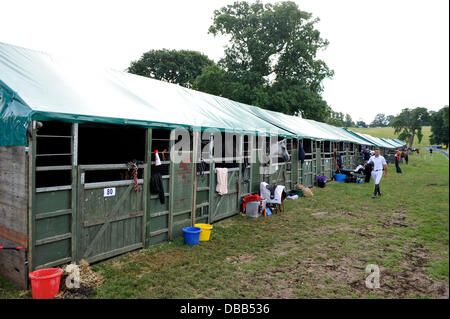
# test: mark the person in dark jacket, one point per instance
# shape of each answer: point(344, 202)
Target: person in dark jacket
point(366, 155)
point(405, 155)
point(337, 160)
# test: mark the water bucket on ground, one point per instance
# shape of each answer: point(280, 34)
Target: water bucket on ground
point(339, 177)
point(45, 282)
point(191, 235)
point(206, 231)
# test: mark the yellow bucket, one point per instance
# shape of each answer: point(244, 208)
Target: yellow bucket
point(206, 231)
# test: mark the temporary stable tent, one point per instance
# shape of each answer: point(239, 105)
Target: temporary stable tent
point(341, 134)
point(294, 124)
point(374, 140)
point(65, 187)
point(391, 142)
point(401, 143)
point(68, 205)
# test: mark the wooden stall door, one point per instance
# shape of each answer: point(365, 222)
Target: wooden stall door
point(110, 217)
point(52, 207)
point(308, 173)
point(181, 195)
point(223, 206)
point(328, 164)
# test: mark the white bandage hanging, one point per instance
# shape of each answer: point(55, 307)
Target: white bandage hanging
point(157, 160)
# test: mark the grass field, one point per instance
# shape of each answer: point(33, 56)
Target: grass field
point(388, 132)
point(319, 248)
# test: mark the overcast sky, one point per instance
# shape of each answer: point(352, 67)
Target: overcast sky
point(386, 54)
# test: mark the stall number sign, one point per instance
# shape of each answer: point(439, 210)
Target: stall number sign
point(107, 192)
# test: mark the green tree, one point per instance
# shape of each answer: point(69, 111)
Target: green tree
point(271, 59)
point(212, 80)
point(291, 98)
point(409, 124)
point(174, 66)
point(389, 120)
point(336, 119)
point(348, 122)
point(335, 122)
point(439, 126)
point(379, 121)
point(361, 124)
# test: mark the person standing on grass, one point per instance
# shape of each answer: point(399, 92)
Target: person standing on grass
point(337, 160)
point(379, 163)
point(405, 155)
point(397, 157)
point(366, 155)
point(431, 152)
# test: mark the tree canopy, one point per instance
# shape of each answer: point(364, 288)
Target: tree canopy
point(439, 126)
point(174, 66)
point(409, 124)
point(339, 119)
point(361, 124)
point(271, 58)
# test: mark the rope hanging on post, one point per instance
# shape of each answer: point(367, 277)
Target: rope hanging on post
point(135, 171)
point(134, 166)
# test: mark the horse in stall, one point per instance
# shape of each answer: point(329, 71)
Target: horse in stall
point(277, 150)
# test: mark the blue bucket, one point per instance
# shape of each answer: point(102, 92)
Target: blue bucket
point(191, 235)
point(339, 177)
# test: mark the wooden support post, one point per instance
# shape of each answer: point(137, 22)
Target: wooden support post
point(74, 189)
point(147, 194)
point(195, 159)
point(171, 184)
point(212, 168)
point(240, 154)
point(31, 193)
point(250, 161)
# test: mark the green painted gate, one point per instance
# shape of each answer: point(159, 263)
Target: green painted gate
point(52, 240)
point(222, 206)
point(52, 233)
point(328, 165)
point(110, 215)
point(181, 193)
point(308, 173)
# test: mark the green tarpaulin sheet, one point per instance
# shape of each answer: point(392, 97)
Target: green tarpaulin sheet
point(36, 85)
point(294, 124)
point(374, 140)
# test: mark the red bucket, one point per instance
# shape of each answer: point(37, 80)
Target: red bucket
point(45, 282)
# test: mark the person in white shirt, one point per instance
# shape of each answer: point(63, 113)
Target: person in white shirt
point(379, 163)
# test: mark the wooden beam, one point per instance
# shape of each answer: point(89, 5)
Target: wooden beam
point(53, 168)
point(111, 184)
point(52, 189)
point(99, 221)
point(53, 214)
point(171, 185)
point(53, 239)
point(195, 159)
point(74, 203)
point(104, 167)
point(31, 193)
point(147, 195)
